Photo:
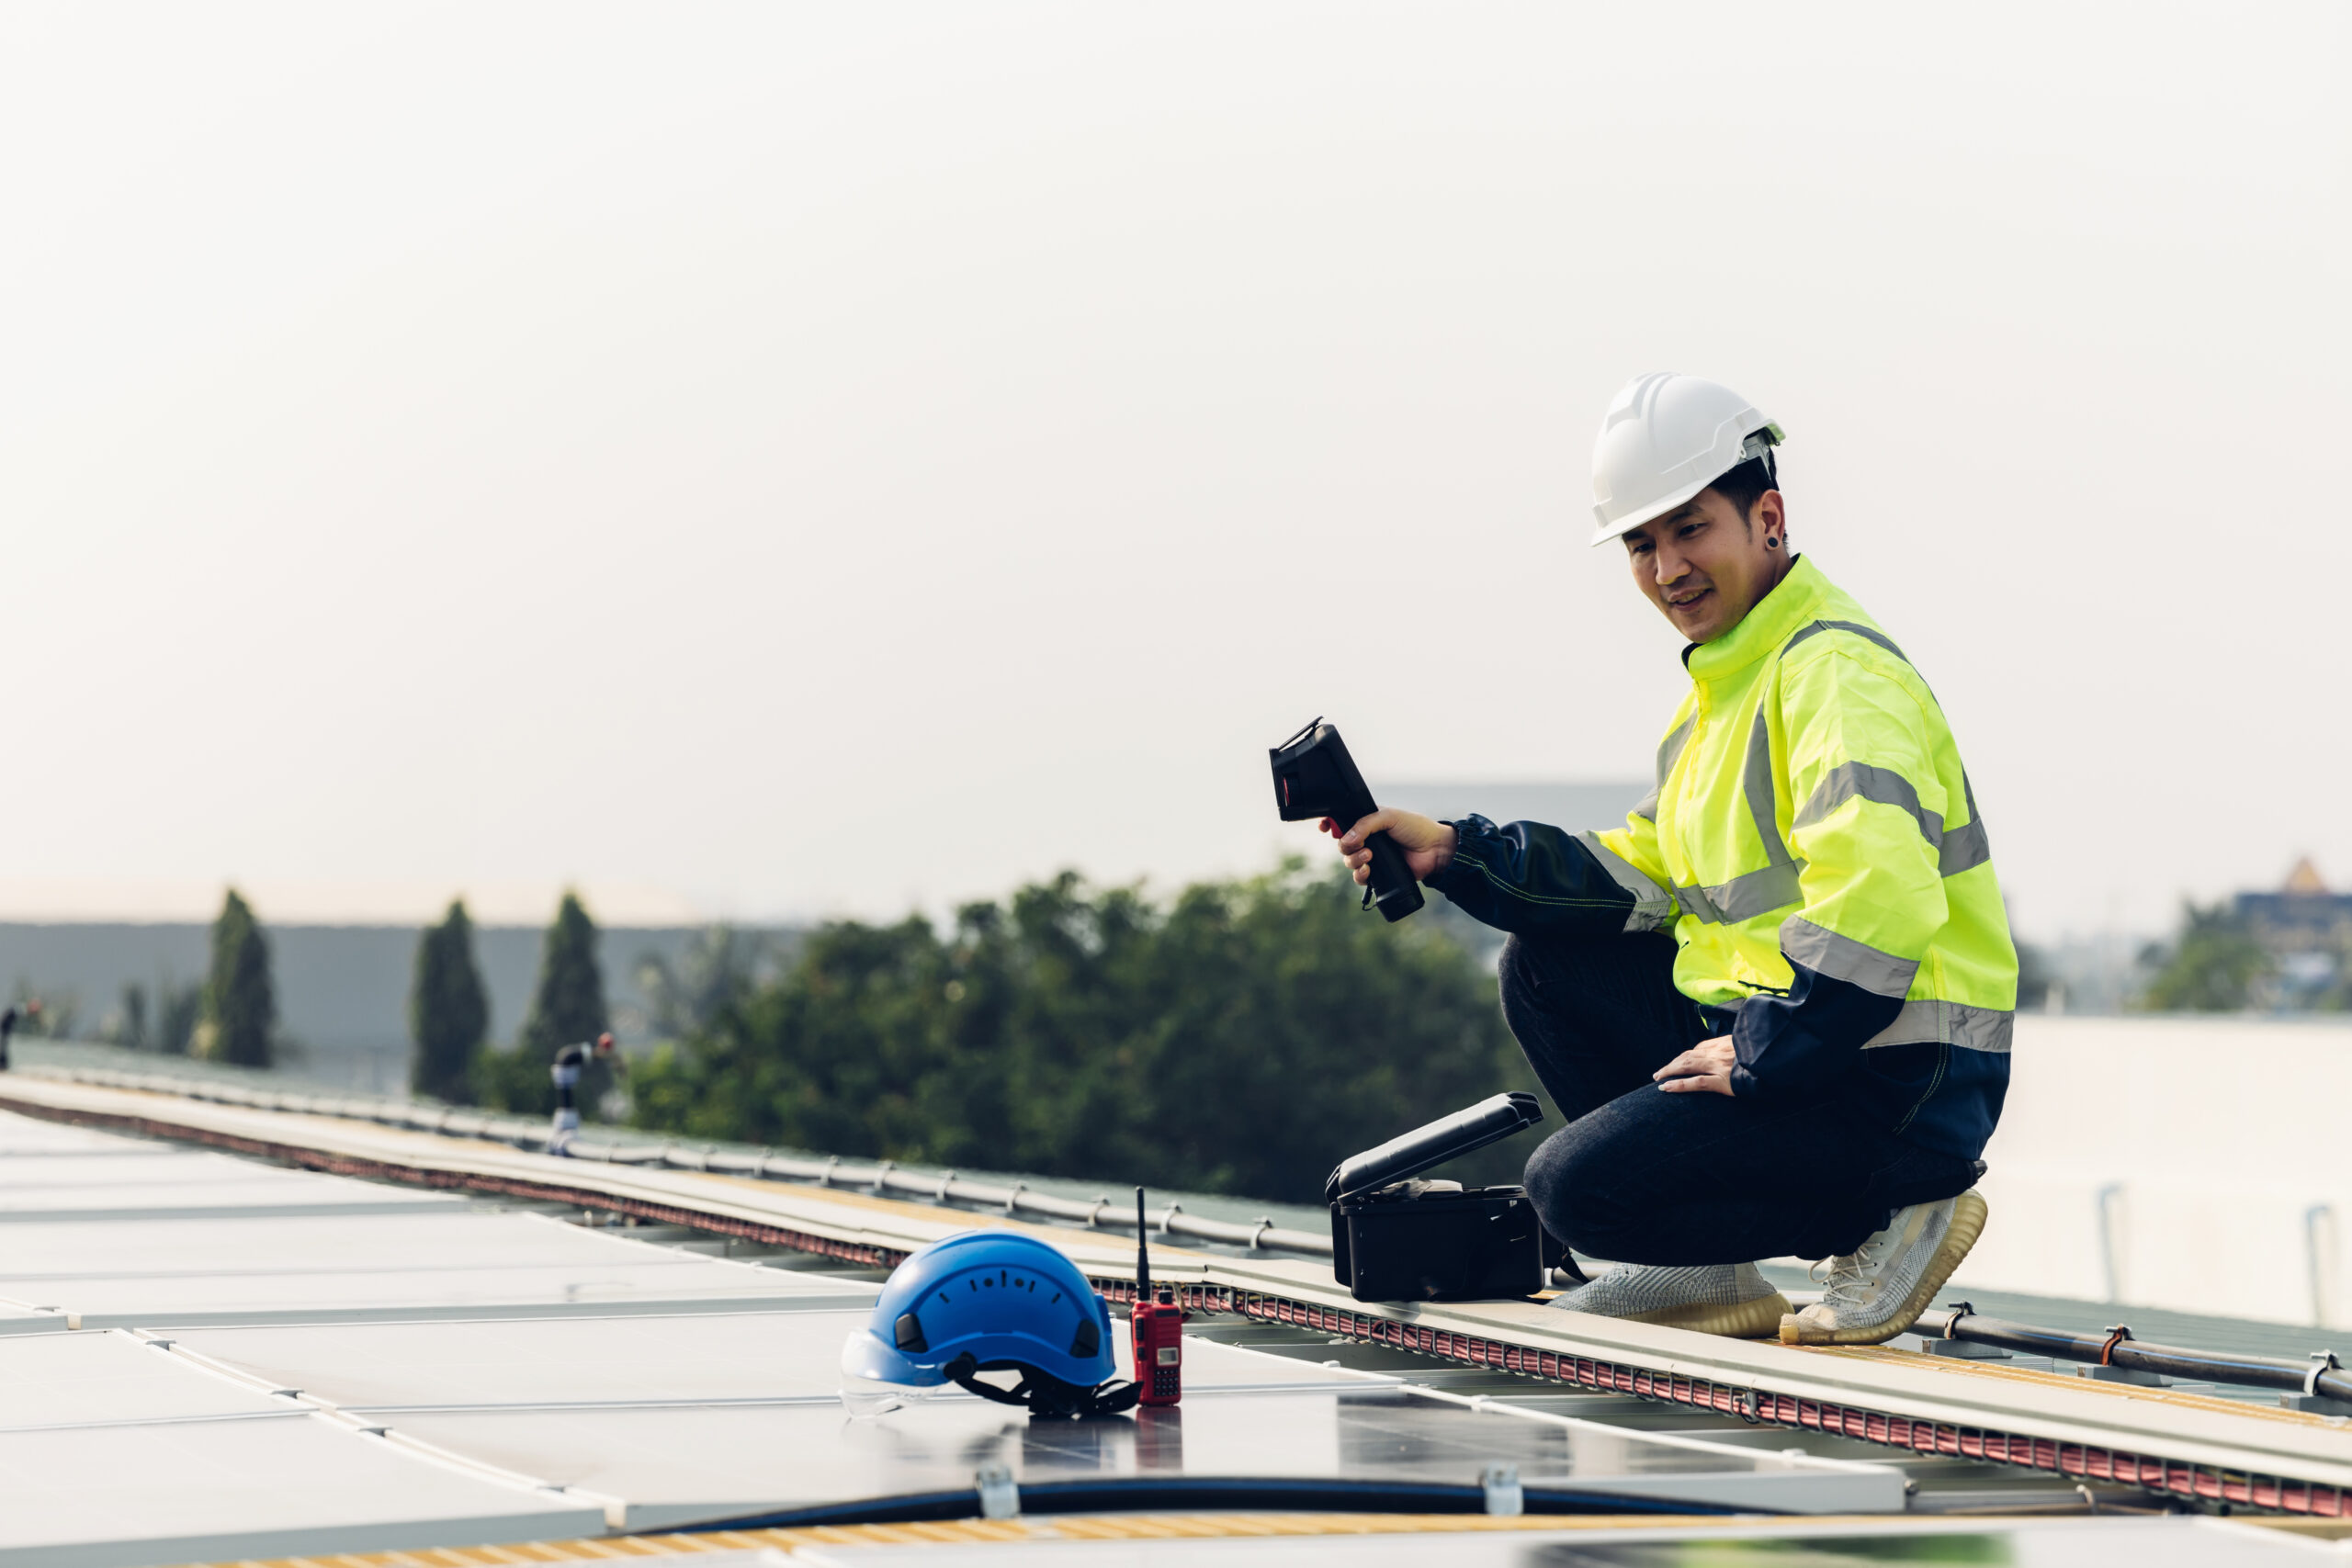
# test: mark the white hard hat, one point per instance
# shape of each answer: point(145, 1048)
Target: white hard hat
point(1666, 438)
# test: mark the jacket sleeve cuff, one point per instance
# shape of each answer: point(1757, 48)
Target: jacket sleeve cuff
point(1809, 1037)
point(1460, 873)
point(1527, 877)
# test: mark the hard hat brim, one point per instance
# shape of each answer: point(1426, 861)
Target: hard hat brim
point(864, 1355)
point(1635, 519)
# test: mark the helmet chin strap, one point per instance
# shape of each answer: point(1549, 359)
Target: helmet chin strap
point(1043, 1394)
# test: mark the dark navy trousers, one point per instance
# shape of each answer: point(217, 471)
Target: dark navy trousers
point(1642, 1176)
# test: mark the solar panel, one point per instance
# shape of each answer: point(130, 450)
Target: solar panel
point(29, 1135)
point(703, 1418)
point(18, 1319)
point(295, 1269)
point(112, 1452)
point(313, 1363)
point(144, 1182)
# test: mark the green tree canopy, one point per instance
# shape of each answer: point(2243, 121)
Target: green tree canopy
point(179, 1012)
point(240, 1001)
point(448, 1013)
point(2213, 968)
point(715, 970)
point(1242, 1039)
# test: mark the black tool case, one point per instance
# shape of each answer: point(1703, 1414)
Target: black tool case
point(1395, 1239)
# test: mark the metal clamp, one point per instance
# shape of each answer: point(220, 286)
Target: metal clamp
point(1094, 1215)
point(1173, 1209)
point(1012, 1199)
point(1748, 1406)
point(882, 1175)
point(2117, 1333)
point(1258, 1235)
point(1506, 1498)
point(825, 1177)
point(2322, 1362)
point(945, 1182)
point(1000, 1498)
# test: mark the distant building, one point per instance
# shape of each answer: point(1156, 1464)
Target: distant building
point(2298, 913)
point(341, 990)
point(2306, 930)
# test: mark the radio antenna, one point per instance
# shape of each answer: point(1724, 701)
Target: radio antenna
point(1143, 1253)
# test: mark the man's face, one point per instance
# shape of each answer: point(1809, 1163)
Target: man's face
point(1705, 566)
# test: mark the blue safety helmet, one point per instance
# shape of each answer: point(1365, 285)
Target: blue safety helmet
point(986, 1300)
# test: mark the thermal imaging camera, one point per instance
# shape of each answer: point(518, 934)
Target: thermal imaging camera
point(1314, 776)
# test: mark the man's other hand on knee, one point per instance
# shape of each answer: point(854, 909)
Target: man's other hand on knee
point(1706, 1067)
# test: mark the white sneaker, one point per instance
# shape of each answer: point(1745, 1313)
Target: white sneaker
point(1877, 1290)
point(1733, 1299)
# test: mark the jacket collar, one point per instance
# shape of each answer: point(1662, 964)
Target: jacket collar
point(1794, 601)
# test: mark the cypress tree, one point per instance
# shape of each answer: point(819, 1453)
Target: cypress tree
point(448, 1015)
point(240, 1002)
point(569, 1004)
point(179, 1011)
point(132, 1034)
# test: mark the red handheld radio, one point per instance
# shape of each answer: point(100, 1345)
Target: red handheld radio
point(1157, 1326)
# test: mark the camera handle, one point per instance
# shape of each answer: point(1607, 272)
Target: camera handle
point(1393, 890)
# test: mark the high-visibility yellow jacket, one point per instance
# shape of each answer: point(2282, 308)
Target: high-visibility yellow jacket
point(1814, 845)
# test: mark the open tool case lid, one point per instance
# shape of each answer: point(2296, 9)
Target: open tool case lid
point(1489, 1121)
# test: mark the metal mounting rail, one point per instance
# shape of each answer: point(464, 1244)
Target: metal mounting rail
point(2319, 1376)
point(884, 1177)
point(2171, 1442)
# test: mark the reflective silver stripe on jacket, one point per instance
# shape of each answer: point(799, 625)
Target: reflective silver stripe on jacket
point(1825, 951)
point(1669, 751)
point(1763, 794)
point(1743, 897)
point(1962, 848)
point(1868, 634)
point(1652, 905)
point(1862, 781)
point(1931, 1023)
point(1777, 886)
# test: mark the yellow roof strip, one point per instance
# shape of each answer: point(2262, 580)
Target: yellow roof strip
point(964, 1532)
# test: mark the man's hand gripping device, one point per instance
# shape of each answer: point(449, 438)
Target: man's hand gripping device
point(1314, 776)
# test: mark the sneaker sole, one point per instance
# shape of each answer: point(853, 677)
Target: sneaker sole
point(1967, 1223)
point(1758, 1319)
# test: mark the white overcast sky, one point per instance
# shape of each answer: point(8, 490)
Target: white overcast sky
point(772, 460)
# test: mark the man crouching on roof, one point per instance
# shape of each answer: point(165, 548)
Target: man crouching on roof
point(1775, 1006)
